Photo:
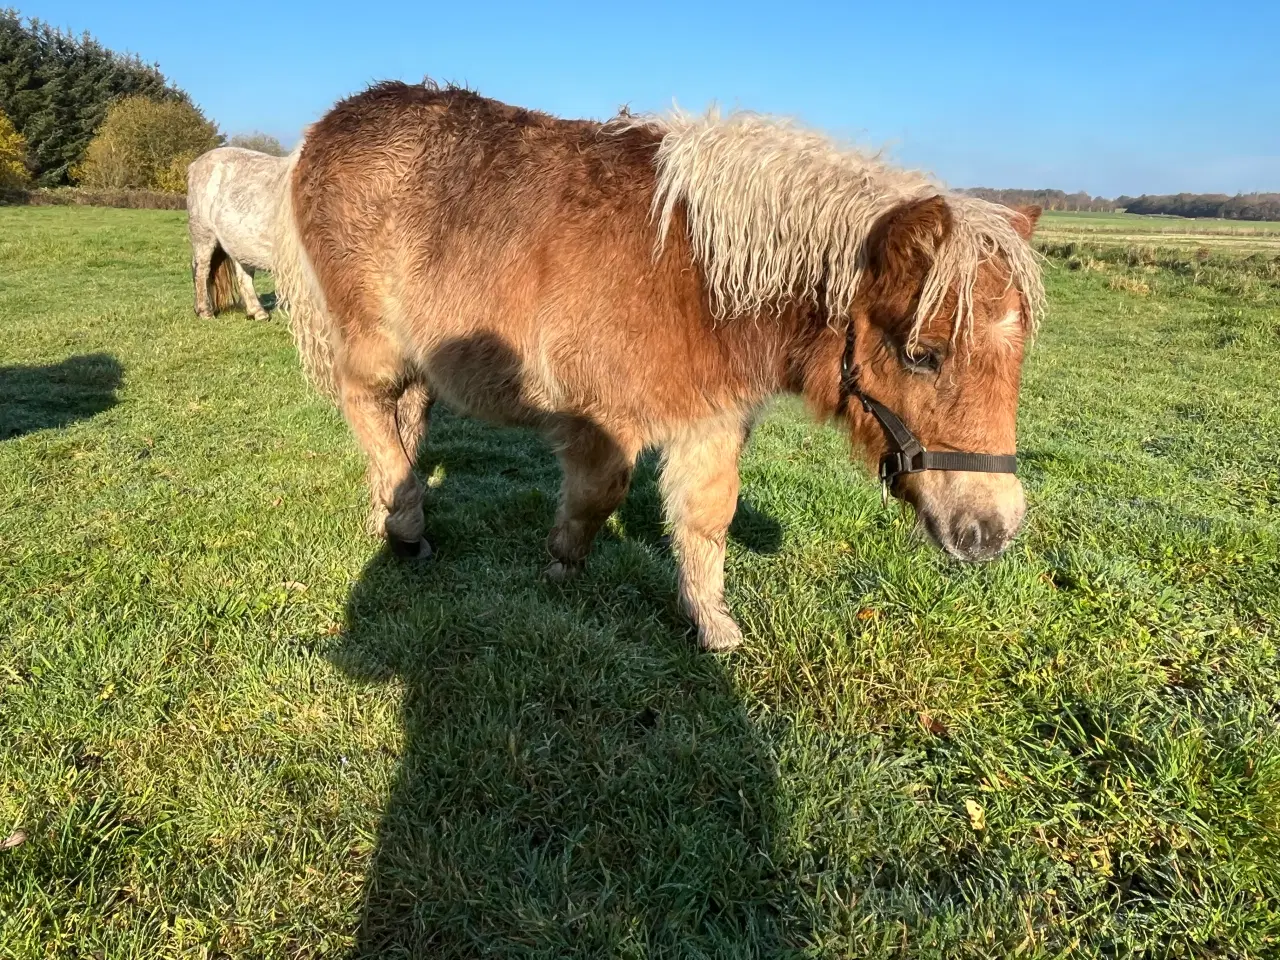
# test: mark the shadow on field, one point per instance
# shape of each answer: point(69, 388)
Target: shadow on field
point(576, 778)
point(56, 395)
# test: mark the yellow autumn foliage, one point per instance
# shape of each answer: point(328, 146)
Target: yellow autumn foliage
point(145, 144)
point(13, 156)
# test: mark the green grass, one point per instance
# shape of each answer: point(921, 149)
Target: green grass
point(229, 727)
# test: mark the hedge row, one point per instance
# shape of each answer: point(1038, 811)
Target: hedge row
point(85, 196)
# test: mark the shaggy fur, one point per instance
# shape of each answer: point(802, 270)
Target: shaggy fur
point(436, 245)
point(777, 213)
point(309, 321)
point(222, 286)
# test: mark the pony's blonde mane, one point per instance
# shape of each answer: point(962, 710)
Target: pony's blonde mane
point(298, 289)
point(779, 213)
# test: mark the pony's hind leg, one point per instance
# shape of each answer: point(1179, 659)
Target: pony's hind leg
point(597, 471)
point(252, 306)
point(700, 488)
point(389, 422)
point(202, 247)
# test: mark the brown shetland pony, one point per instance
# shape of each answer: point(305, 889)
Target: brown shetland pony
point(648, 282)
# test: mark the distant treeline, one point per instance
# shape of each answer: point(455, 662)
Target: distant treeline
point(1243, 206)
point(1048, 199)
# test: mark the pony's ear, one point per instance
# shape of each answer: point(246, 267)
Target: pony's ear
point(1025, 219)
point(902, 244)
point(908, 233)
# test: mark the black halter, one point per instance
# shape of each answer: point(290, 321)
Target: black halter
point(906, 454)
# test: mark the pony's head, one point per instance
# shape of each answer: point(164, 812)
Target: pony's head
point(942, 289)
point(940, 335)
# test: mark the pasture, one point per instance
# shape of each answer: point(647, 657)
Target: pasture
point(229, 726)
point(1223, 236)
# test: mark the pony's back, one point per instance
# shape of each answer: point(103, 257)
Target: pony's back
point(418, 214)
point(233, 193)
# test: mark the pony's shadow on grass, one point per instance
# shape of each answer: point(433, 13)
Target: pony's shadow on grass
point(57, 394)
point(576, 778)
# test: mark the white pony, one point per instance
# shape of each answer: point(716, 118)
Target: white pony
point(232, 196)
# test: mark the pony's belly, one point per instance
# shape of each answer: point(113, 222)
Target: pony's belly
point(253, 252)
point(536, 374)
point(480, 375)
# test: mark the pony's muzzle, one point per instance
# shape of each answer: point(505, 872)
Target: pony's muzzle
point(973, 517)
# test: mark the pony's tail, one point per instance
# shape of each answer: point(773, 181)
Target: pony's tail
point(224, 290)
point(296, 286)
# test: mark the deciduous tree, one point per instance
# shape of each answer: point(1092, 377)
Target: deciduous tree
point(13, 156)
point(144, 144)
point(262, 142)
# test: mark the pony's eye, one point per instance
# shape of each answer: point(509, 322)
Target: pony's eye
point(918, 358)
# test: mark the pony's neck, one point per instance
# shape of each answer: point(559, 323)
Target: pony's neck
point(813, 369)
point(794, 350)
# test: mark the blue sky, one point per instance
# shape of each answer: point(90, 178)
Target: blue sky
point(1118, 97)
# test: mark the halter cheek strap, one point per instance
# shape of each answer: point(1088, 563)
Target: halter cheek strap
point(906, 454)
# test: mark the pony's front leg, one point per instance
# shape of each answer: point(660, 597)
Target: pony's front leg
point(373, 411)
point(413, 413)
point(700, 488)
point(252, 305)
point(597, 471)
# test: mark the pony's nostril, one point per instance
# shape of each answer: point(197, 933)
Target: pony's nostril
point(992, 534)
point(968, 536)
point(978, 539)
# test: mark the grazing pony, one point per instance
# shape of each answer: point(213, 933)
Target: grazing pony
point(231, 200)
point(651, 283)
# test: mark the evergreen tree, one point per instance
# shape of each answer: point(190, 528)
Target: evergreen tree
point(56, 89)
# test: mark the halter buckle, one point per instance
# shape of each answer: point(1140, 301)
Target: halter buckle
point(897, 462)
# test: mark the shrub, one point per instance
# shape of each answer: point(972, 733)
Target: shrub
point(141, 144)
point(262, 142)
point(13, 157)
point(1130, 285)
point(173, 178)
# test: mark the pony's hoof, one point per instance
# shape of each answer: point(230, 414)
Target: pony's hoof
point(410, 550)
point(262, 315)
point(557, 571)
point(204, 314)
point(721, 636)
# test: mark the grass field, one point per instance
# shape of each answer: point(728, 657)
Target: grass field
point(1239, 236)
point(230, 728)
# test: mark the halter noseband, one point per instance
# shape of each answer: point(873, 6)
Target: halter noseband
point(906, 454)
